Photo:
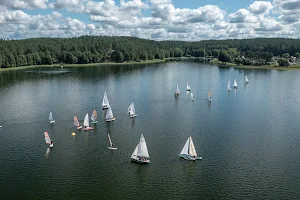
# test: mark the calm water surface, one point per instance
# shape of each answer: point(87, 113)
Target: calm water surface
point(249, 138)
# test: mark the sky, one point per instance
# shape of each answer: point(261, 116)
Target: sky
point(188, 20)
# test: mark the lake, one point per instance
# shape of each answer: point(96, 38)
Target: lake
point(249, 138)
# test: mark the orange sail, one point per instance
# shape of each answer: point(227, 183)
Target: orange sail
point(76, 122)
point(47, 138)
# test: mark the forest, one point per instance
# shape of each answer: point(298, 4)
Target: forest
point(98, 49)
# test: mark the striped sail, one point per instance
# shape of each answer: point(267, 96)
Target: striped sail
point(47, 138)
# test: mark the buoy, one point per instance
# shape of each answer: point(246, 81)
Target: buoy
point(73, 134)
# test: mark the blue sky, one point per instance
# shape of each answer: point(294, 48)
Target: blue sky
point(189, 20)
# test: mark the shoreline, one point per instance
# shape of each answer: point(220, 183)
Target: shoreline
point(227, 65)
point(86, 65)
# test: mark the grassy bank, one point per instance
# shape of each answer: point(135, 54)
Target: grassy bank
point(274, 67)
point(85, 65)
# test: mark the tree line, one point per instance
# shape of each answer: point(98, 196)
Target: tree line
point(97, 49)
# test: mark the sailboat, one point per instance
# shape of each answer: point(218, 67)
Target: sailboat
point(51, 118)
point(105, 103)
point(86, 123)
point(234, 84)
point(177, 91)
point(192, 97)
point(76, 123)
point(228, 86)
point(188, 87)
point(47, 139)
point(131, 111)
point(109, 115)
point(111, 144)
point(246, 79)
point(209, 96)
point(189, 152)
point(94, 117)
point(140, 153)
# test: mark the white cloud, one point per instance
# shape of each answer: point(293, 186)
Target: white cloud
point(24, 4)
point(287, 7)
point(260, 7)
point(242, 16)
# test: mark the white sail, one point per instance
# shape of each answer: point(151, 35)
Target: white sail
point(142, 148)
point(192, 150)
point(105, 100)
point(234, 83)
point(188, 87)
point(109, 114)
point(192, 96)
point(86, 121)
point(109, 140)
point(134, 154)
point(228, 86)
point(185, 149)
point(177, 91)
point(50, 116)
point(246, 79)
point(131, 109)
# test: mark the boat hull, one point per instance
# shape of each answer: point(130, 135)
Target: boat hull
point(187, 157)
point(88, 128)
point(147, 161)
point(51, 145)
point(132, 116)
point(104, 107)
point(110, 120)
point(79, 127)
point(177, 93)
point(94, 122)
point(112, 148)
point(51, 122)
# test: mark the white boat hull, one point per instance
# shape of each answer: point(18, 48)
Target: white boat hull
point(88, 128)
point(94, 122)
point(132, 116)
point(79, 127)
point(112, 148)
point(177, 93)
point(52, 121)
point(187, 157)
point(112, 119)
point(51, 145)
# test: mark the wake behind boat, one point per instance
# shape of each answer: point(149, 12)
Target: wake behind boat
point(140, 153)
point(189, 152)
point(86, 123)
point(47, 139)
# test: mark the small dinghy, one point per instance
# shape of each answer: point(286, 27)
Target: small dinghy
point(228, 86)
point(177, 91)
point(189, 152)
point(51, 118)
point(48, 140)
point(109, 115)
point(111, 144)
point(140, 153)
point(76, 123)
point(105, 103)
point(131, 111)
point(86, 123)
point(94, 117)
point(188, 87)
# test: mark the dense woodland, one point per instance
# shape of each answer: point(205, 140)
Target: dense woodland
point(97, 49)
